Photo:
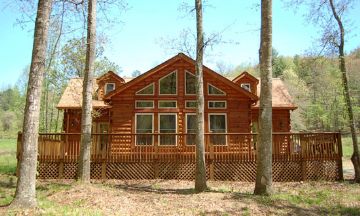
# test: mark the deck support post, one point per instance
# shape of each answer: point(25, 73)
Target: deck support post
point(211, 161)
point(303, 169)
point(103, 169)
point(61, 163)
point(156, 169)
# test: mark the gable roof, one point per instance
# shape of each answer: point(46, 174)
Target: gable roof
point(112, 74)
point(281, 98)
point(72, 96)
point(245, 74)
point(180, 56)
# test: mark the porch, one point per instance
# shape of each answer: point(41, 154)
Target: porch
point(229, 156)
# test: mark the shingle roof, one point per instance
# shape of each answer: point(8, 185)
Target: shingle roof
point(280, 95)
point(72, 96)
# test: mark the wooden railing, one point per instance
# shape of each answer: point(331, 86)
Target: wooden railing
point(179, 147)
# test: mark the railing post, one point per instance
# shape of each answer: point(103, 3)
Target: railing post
point(104, 156)
point(156, 158)
point(61, 164)
point(303, 161)
point(211, 165)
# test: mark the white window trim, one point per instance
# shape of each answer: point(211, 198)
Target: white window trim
point(144, 107)
point(176, 105)
point(105, 90)
point(226, 126)
point(152, 131)
point(176, 74)
point(215, 102)
point(246, 84)
point(185, 81)
point(137, 93)
point(186, 120)
point(176, 129)
point(186, 107)
point(208, 90)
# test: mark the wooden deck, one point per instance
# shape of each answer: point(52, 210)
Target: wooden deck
point(230, 156)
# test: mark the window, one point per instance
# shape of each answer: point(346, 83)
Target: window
point(109, 87)
point(144, 104)
point(246, 86)
point(190, 128)
point(212, 90)
point(190, 104)
point(167, 104)
point(190, 83)
point(147, 90)
point(217, 124)
point(167, 124)
point(168, 84)
point(144, 125)
point(217, 104)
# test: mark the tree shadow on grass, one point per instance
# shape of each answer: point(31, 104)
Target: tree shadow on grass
point(8, 183)
point(293, 209)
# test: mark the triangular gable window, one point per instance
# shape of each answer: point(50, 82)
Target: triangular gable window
point(147, 90)
point(168, 84)
point(212, 90)
point(190, 83)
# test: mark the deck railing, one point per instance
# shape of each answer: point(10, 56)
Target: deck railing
point(180, 146)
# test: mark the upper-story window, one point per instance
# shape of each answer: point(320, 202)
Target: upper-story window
point(147, 90)
point(167, 104)
point(190, 83)
point(168, 84)
point(246, 86)
point(212, 90)
point(109, 87)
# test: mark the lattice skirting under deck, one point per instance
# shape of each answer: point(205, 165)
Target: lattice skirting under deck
point(329, 170)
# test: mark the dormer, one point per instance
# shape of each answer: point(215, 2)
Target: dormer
point(247, 82)
point(107, 83)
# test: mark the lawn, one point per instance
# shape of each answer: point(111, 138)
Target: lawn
point(171, 197)
point(8, 156)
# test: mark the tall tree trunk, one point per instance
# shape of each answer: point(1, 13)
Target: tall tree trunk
point(25, 189)
point(86, 118)
point(200, 171)
point(355, 158)
point(264, 156)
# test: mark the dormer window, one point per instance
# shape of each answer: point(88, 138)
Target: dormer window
point(246, 86)
point(109, 87)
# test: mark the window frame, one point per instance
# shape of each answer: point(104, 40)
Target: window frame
point(214, 101)
point(187, 107)
point(246, 84)
point(176, 89)
point(152, 125)
point(176, 104)
point(226, 126)
point(208, 90)
point(176, 129)
point(186, 129)
point(186, 71)
point(153, 105)
point(106, 84)
point(137, 92)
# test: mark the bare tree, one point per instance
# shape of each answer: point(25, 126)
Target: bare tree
point(200, 173)
point(25, 190)
point(86, 118)
point(264, 157)
point(339, 43)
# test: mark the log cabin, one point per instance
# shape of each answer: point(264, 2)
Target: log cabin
point(143, 128)
point(163, 100)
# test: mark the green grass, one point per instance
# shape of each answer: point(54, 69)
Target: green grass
point(8, 156)
point(347, 146)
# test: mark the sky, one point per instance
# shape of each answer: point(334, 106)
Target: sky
point(139, 41)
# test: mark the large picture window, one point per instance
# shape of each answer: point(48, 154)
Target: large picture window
point(190, 128)
point(212, 90)
point(144, 125)
point(217, 124)
point(167, 104)
point(190, 83)
point(147, 90)
point(168, 84)
point(167, 124)
point(139, 104)
point(217, 104)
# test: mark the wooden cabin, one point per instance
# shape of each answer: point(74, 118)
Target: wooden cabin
point(163, 100)
point(144, 128)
